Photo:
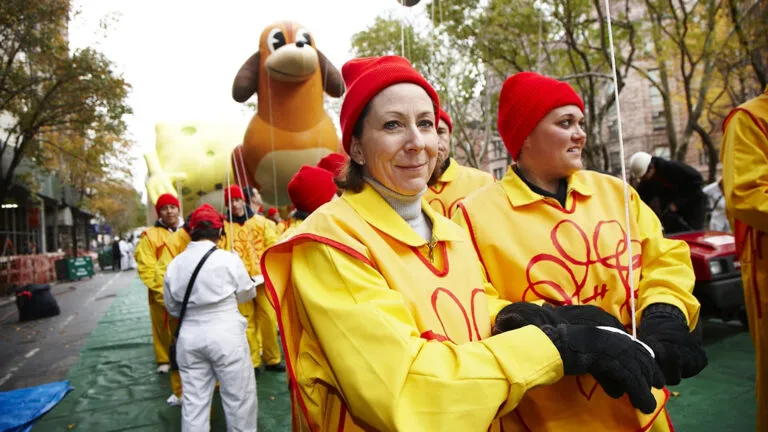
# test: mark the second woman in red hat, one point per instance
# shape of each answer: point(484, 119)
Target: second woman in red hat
point(551, 232)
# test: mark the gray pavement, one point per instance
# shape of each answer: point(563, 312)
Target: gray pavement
point(42, 351)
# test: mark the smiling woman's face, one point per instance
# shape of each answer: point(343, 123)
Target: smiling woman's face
point(398, 146)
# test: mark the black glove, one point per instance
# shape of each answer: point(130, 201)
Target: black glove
point(618, 363)
point(590, 315)
point(516, 315)
point(679, 352)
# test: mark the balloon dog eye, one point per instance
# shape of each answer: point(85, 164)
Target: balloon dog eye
point(275, 39)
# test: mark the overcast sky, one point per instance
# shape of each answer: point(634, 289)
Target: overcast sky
point(181, 59)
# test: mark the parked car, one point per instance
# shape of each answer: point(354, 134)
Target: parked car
point(718, 274)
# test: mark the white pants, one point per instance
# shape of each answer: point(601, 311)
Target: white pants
point(211, 348)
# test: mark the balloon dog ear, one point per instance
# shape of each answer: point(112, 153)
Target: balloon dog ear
point(247, 79)
point(333, 83)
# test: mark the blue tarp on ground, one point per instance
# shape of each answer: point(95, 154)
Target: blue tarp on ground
point(20, 408)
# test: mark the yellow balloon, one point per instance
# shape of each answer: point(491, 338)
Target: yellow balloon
point(192, 161)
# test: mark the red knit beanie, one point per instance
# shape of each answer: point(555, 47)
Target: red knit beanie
point(205, 213)
point(447, 119)
point(233, 192)
point(310, 188)
point(367, 76)
point(333, 163)
point(164, 200)
point(525, 99)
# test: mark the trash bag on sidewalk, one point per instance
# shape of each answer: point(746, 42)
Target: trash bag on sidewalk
point(35, 301)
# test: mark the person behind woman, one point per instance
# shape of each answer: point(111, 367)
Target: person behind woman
point(310, 188)
point(212, 343)
point(385, 319)
point(551, 232)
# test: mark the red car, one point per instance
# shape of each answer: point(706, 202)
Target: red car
point(718, 274)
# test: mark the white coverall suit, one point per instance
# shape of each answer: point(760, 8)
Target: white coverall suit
point(212, 343)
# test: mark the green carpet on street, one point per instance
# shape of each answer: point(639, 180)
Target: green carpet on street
point(117, 388)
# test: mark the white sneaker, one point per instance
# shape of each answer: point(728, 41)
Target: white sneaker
point(163, 368)
point(173, 400)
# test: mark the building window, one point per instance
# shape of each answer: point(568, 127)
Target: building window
point(497, 149)
point(657, 103)
point(498, 173)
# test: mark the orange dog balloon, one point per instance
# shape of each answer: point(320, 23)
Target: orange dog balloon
point(291, 127)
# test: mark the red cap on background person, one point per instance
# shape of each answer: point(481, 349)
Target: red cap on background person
point(310, 188)
point(447, 119)
point(333, 162)
point(164, 200)
point(271, 212)
point(233, 192)
point(367, 76)
point(525, 99)
point(205, 213)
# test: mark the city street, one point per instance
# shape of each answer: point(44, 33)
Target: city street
point(42, 351)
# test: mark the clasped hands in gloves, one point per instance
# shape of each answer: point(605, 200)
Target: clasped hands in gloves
point(618, 363)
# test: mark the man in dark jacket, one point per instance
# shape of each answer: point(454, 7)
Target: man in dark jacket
point(672, 189)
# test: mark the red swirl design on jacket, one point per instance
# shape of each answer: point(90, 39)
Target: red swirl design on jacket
point(580, 253)
point(470, 319)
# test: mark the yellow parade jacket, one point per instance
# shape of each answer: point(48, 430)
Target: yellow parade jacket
point(174, 245)
point(146, 255)
point(264, 233)
point(393, 333)
point(744, 154)
point(456, 183)
point(293, 225)
point(239, 239)
point(534, 250)
point(745, 183)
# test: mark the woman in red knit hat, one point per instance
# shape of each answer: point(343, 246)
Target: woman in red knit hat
point(385, 318)
point(573, 258)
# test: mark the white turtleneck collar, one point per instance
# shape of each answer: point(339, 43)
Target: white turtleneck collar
point(407, 206)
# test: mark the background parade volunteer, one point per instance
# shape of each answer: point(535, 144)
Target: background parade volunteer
point(147, 253)
point(456, 181)
point(211, 343)
point(744, 154)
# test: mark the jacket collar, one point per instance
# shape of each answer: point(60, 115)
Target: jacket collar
point(519, 194)
point(374, 210)
point(450, 173)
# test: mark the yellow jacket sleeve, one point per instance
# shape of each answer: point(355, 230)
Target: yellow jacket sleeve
point(270, 233)
point(146, 259)
point(667, 274)
point(391, 378)
point(745, 176)
point(162, 266)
